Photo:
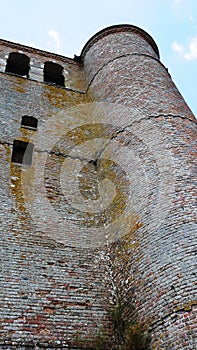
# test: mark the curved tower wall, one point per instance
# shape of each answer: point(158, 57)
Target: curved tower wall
point(122, 67)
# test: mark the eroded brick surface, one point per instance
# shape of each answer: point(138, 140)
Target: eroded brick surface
point(119, 117)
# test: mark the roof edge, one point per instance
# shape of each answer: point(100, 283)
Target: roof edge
point(29, 49)
point(116, 29)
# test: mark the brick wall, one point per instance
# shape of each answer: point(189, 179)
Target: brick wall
point(159, 158)
point(114, 150)
point(52, 290)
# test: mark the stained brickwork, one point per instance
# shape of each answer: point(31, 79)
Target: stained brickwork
point(73, 72)
point(165, 261)
point(114, 149)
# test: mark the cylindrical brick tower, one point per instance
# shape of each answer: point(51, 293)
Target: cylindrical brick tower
point(123, 69)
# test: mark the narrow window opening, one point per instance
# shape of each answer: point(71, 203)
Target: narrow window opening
point(29, 122)
point(22, 152)
point(53, 73)
point(18, 64)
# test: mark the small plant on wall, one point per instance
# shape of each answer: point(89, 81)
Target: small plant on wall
point(128, 334)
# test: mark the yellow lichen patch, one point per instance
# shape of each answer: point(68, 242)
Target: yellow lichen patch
point(19, 88)
point(128, 331)
point(16, 189)
point(78, 79)
point(61, 98)
point(88, 182)
point(8, 152)
point(26, 134)
point(16, 173)
point(76, 122)
point(20, 85)
point(122, 251)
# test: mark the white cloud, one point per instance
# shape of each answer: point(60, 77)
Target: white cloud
point(189, 53)
point(55, 36)
point(192, 54)
point(177, 47)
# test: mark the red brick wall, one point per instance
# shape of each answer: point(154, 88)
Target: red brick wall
point(159, 157)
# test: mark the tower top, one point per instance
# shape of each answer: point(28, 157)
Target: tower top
point(117, 29)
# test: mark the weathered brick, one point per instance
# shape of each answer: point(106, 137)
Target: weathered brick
point(113, 149)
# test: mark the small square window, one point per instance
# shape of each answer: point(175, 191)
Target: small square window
point(22, 152)
point(29, 122)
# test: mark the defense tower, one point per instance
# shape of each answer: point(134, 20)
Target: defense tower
point(97, 153)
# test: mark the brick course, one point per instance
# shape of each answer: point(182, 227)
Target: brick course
point(119, 104)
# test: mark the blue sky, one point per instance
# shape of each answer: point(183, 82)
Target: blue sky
point(63, 27)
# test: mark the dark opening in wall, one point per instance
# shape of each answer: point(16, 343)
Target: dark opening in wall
point(29, 122)
point(18, 63)
point(53, 73)
point(22, 152)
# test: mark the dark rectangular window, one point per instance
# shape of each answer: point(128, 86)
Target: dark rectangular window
point(22, 152)
point(29, 122)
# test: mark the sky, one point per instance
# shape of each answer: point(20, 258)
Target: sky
point(63, 27)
